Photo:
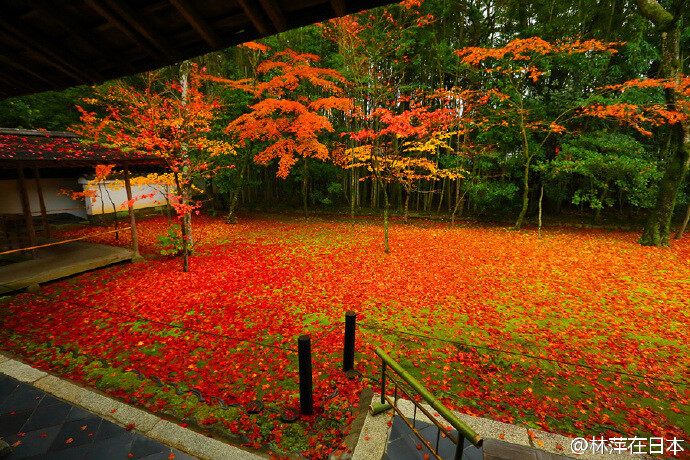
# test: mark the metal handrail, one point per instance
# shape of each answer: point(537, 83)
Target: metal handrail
point(463, 429)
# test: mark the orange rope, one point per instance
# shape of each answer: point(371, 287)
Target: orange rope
point(65, 241)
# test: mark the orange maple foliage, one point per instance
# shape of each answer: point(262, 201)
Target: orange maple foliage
point(295, 101)
point(642, 117)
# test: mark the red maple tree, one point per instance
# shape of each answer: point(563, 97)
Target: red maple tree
point(168, 119)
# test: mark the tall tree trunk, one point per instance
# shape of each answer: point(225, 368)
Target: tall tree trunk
point(305, 176)
point(407, 203)
point(386, 249)
point(183, 227)
point(232, 218)
point(353, 192)
point(541, 198)
point(681, 230)
point(458, 200)
point(525, 197)
point(657, 229)
point(443, 190)
point(185, 190)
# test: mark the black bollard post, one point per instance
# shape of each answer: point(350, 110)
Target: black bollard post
point(349, 341)
point(306, 389)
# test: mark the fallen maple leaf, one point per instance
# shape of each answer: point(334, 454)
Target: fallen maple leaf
point(16, 443)
point(69, 440)
point(129, 427)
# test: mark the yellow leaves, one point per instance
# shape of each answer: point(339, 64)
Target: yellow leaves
point(437, 142)
point(216, 147)
point(166, 179)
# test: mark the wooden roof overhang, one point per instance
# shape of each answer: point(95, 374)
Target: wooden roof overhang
point(33, 149)
point(50, 149)
point(55, 44)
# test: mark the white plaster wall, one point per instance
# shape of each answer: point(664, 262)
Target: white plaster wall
point(116, 192)
point(10, 201)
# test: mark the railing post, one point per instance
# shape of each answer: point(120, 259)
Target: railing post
point(306, 388)
point(383, 382)
point(349, 341)
point(459, 448)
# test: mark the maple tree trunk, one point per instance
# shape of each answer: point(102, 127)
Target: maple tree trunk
point(657, 230)
point(386, 249)
point(681, 230)
point(525, 198)
point(541, 198)
point(305, 172)
point(440, 201)
point(232, 218)
point(458, 200)
point(183, 228)
point(353, 193)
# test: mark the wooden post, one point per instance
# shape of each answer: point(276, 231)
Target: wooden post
point(306, 386)
point(26, 208)
point(44, 214)
point(133, 223)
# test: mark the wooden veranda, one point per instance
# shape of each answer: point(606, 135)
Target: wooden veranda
point(28, 152)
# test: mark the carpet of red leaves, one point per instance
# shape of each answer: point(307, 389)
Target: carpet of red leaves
point(444, 299)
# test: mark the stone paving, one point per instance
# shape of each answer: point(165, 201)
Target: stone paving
point(146, 425)
point(39, 426)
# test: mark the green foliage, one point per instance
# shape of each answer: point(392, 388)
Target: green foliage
point(492, 195)
point(170, 244)
point(52, 110)
point(604, 167)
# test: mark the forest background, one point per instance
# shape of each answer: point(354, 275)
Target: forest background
point(484, 109)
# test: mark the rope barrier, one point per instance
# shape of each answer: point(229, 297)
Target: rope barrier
point(64, 241)
point(525, 355)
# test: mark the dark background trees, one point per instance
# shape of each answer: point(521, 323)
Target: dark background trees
point(591, 168)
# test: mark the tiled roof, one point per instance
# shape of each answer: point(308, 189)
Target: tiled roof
point(66, 149)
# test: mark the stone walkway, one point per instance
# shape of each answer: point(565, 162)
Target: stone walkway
point(107, 414)
point(39, 426)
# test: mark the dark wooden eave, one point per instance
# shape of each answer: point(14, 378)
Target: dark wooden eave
point(58, 149)
point(55, 44)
